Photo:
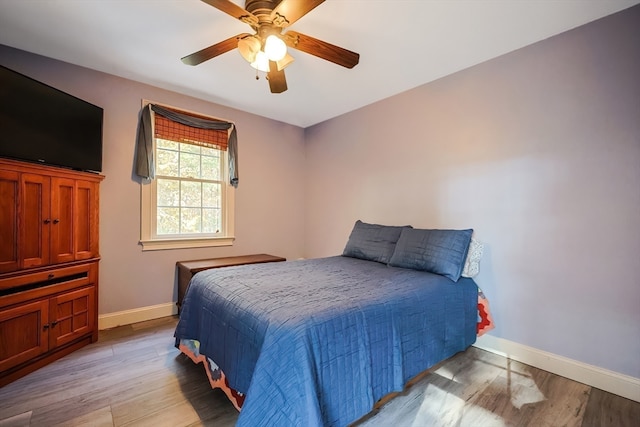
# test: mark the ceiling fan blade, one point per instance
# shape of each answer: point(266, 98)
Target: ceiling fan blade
point(230, 8)
point(321, 49)
point(212, 51)
point(289, 11)
point(277, 81)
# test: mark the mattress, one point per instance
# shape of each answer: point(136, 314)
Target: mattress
point(317, 342)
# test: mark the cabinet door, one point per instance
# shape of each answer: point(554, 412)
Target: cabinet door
point(62, 219)
point(86, 220)
point(24, 333)
point(35, 221)
point(9, 260)
point(72, 315)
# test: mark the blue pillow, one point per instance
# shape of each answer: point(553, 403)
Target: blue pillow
point(436, 251)
point(372, 242)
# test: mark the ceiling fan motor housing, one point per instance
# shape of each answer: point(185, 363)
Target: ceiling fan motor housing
point(260, 8)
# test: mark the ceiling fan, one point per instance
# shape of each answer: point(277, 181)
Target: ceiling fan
point(266, 50)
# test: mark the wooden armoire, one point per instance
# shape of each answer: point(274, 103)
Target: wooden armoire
point(49, 255)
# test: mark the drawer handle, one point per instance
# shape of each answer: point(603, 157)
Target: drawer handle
point(51, 276)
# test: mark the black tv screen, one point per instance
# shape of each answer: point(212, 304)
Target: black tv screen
point(39, 123)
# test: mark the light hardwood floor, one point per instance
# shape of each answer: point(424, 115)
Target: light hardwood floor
point(134, 376)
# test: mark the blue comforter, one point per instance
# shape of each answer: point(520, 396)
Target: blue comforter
point(317, 342)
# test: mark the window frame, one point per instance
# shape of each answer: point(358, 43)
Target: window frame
point(148, 214)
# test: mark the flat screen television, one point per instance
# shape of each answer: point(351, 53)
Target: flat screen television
point(41, 124)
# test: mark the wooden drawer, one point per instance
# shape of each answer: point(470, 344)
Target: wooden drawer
point(24, 287)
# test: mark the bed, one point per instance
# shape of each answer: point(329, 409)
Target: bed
point(318, 342)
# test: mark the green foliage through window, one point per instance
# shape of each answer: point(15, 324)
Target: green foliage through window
point(189, 189)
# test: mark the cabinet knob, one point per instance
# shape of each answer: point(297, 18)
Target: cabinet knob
point(54, 323)
point(50, 276)
point(45, 326)
point(55, 221)
point(47, 221)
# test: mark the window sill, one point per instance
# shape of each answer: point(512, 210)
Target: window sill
point(162, 244)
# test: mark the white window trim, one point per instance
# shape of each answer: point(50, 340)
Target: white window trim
point(148, 220)
point(154, 244)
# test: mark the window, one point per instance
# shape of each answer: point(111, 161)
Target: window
point(189, 203)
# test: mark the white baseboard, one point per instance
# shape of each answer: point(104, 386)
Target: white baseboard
point(127, 317)
point(613, 382)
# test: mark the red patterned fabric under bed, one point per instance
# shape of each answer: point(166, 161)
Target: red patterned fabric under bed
point(216, 377)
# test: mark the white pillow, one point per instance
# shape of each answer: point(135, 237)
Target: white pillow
point(472, 263)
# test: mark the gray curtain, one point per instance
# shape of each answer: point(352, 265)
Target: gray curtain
point(145, 163)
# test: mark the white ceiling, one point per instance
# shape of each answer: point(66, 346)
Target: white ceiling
point(402, 44)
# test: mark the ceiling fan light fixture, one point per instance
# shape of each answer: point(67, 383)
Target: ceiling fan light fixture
point(284, 62)
point(275, 48)
point(261, 62)
point(249, 48)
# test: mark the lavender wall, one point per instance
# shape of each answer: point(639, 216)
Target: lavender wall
point(271, 153)
point(539, 152)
